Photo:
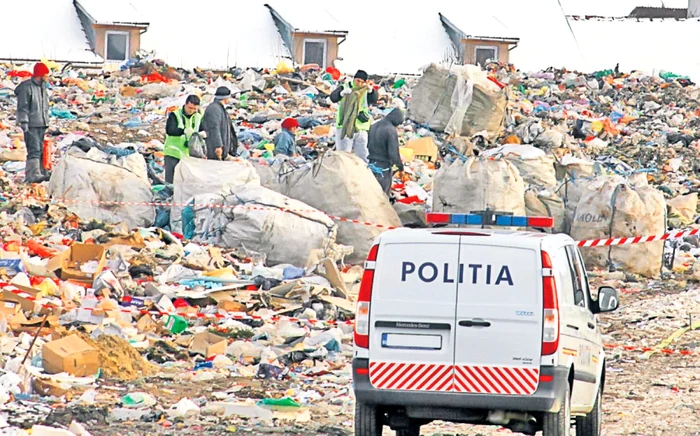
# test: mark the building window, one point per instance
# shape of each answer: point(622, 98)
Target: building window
point(484, 54)
point(116, 46)
point(315, 51)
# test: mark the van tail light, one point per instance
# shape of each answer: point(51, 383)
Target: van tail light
point(550, 323)
point(364, 299)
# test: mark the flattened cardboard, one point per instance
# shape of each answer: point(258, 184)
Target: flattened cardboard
point(424, 148)
point(208, 344)
point(25, 303)
point(72, 355)
point(77, 255)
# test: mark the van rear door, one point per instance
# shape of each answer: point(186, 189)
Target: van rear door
point(499, 317)
point(412, 315)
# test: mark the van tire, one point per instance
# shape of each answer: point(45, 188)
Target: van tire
point(591, 424)
point(413, 430)
point(559, 424)
point(367, 420)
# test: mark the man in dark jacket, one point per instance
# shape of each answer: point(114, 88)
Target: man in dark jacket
point(384, 148)
point(221, 137)
point(33, 118)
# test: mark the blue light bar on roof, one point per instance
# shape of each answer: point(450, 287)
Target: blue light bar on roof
point(500, 220)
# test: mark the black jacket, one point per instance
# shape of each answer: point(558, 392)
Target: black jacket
point(171, 126)
point(32, 104)
point(372, 97)
point(383, 143)
point(220, 131)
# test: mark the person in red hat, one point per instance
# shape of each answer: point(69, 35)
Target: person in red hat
point(33, 118)
point(285, 141)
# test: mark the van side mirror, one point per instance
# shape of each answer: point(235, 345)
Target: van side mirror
point(608, 300)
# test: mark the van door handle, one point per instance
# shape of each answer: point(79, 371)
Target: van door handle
point(591, 325)
point(573, 327)
point(474, 323)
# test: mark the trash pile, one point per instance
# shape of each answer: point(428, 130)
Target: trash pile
point(224, 302)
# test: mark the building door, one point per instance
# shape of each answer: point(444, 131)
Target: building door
point(484, 54)
point(315, 52)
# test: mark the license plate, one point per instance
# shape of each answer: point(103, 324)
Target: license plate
point(411, 342)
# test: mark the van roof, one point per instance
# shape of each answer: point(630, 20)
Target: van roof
point(523, 239)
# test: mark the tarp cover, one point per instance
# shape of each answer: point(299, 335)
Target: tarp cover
point(477, 184)
point(432, 104)
point(614, 207)
point(200, 176)
point(259, 223)
point(341, 185)
point(95, 176)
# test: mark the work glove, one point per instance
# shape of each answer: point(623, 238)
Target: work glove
point(219, 152)
point(345, 91)
point(189, 132)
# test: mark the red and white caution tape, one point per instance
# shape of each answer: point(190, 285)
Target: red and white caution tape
point(648, 349)
point(219, 316)
point(198, 206)
point(636, 239)
point(198, 315)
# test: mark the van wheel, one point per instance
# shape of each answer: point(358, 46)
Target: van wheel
point(413, 430)
point(591, 424)
point(368, 421)
point(559, 424)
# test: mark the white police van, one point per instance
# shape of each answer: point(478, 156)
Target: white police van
point(478, 326)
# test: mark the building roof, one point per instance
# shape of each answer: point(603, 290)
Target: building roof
point(651, 12)
point(55, 33)
point(314, 20)
point(479, 26)
point(113, 12)
point(227, 34)
point(614, 8)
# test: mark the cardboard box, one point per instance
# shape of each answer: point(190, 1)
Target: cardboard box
point(72, 355)
point(208, 344)
point(9, 308)
point(424, 148)
point(78, 255)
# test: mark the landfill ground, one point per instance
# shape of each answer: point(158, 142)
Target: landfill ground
point(223, 303)
point(644, 396)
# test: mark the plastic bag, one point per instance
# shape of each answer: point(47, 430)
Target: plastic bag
point(197, 146)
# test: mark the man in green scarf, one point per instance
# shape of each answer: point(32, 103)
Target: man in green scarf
point(353, 119)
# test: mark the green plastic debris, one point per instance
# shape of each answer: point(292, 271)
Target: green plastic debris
point(176, 324)
point(398, 84)
point(279, 402)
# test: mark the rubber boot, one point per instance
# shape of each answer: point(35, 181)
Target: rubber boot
point(46, 173)
point(33, 172)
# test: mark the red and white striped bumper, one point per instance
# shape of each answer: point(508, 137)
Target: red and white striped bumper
point(411, 376)
point(453, 378)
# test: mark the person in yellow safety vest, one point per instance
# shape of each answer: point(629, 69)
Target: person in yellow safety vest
point(181, 124)
point(353, 119)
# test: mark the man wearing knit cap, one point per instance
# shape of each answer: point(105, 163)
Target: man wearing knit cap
point(221, 137)
point(285, 141)
point(353, 119)
point(33, 118)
